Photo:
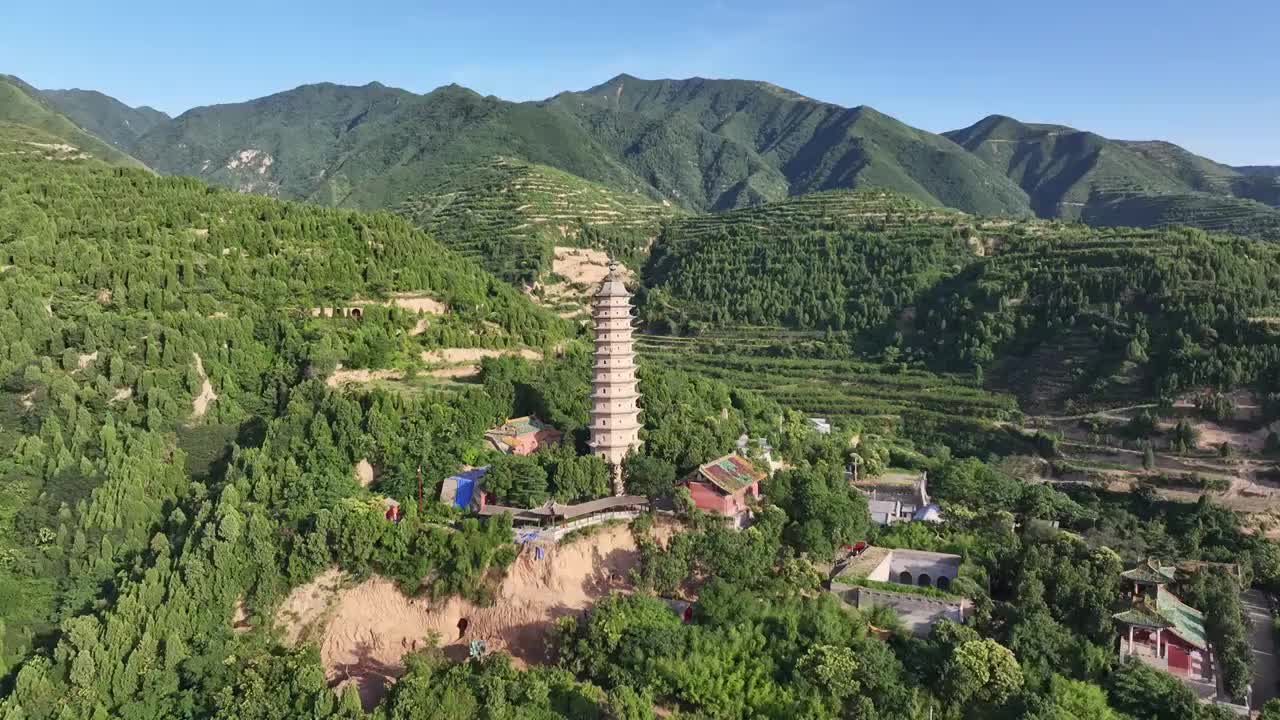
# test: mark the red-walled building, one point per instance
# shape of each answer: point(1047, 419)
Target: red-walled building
point(1164, 632)
point(722, 486)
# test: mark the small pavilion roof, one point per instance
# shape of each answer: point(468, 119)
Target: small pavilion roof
point(1151, 571)
point(1168, 612)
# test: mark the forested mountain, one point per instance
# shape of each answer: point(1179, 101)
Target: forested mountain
point(374, 146)
point(22, 104)
point(1075, 174)
point(1061, 167)
point(1207, 211)
point(839, 260)
point(699, 144)
point(756, 142)
point(369, 146)
point(107, 117)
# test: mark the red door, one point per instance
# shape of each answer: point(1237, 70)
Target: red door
point(1179, 660)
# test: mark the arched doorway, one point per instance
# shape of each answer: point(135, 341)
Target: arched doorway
point(904, 577)
point(925, 580)
point(944, 582)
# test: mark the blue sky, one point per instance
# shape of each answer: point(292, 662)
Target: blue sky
point(1204, 75)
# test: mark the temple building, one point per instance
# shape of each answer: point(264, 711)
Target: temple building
point(1164, 632)
point(725, 487)
point(615, 414)
point(522, 436)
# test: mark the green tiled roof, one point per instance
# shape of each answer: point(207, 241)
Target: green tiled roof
point(1188, 622)
point(1168, 612)
point(524, 425)
point(1141, 616)
point(1151, 572)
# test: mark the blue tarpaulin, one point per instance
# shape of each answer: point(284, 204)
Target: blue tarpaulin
point(466, 486)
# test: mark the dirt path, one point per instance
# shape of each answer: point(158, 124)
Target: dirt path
point(1108, 413)
point(200, 405)
point(452, 356)
point(341, 376)
point(1262, 639)
point(1192, 464)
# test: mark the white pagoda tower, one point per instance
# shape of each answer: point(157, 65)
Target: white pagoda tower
point(615, 416)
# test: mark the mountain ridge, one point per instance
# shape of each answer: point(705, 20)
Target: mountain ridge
point(1081, 175)
point(705, 144)
point(107, 117)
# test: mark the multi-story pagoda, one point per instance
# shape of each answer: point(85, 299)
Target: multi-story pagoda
point(615, 414)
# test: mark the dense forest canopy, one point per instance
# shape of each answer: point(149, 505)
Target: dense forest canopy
point(175, 456)
point(1142, 312)
point(148, 321)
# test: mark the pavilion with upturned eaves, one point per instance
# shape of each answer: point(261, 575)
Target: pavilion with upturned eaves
point(1161, 630)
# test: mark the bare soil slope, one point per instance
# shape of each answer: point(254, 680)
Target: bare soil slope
point(373, 625)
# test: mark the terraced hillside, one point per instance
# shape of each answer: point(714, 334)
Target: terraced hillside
point(838, 260)
point(1198, 173)
point(1109, 316)
point(924, 407)
point(509, 215)
point(1056, 313)
point(1259, 182)
point(1215, 213)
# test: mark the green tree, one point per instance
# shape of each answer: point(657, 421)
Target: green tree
point(982, 671)
point(649, 476)
point(517, 480)
point(832, 668)
point(1078, 700)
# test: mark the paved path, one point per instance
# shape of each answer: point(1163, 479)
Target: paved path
point(1263, 641)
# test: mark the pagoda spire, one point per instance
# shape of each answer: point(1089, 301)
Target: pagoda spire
point(615, 412)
